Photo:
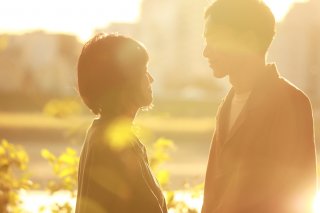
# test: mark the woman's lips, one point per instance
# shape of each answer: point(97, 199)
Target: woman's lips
point(211, 64)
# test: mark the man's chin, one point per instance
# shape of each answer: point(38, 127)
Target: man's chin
point(218, 74)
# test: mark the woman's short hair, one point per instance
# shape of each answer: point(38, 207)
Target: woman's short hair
point(108, 70)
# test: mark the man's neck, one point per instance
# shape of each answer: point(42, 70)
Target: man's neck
point(244, 79)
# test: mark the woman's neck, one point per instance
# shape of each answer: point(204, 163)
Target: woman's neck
point(117, 114)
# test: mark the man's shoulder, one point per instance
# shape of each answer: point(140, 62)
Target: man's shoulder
point(292, 90)
point(291, 93)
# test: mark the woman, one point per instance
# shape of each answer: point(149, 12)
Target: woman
point(114, 174)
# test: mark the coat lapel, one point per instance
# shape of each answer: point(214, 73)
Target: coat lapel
point(257, 98)
point(223, 117)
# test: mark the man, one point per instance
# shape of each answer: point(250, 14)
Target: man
point(262, 158)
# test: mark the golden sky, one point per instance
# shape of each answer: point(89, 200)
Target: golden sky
point(81, 17)
point(78, 17)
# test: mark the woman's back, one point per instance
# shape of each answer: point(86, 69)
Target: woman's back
point(116, 180)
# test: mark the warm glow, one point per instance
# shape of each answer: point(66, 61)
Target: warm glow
point(80, 17)
point(119, 134)
point(44, 200)
point(280, 8)
point(193, 202)
point(316, 204)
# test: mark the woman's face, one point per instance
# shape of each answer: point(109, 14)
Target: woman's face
point(145, 94)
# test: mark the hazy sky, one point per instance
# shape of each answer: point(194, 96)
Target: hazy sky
point(81, 17)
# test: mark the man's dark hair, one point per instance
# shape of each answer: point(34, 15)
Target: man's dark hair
point(243, 16)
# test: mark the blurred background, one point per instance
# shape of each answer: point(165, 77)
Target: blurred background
point(40, 42)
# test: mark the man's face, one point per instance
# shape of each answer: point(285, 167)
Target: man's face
point(224, 50)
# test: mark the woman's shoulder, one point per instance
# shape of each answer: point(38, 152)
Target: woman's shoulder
point(107, 141)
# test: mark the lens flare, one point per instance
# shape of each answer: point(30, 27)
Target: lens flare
point(316, 204)
point(118, 135)
point(281, 8)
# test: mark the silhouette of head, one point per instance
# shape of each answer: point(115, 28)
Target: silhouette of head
point(112, 74)
point(236, 29)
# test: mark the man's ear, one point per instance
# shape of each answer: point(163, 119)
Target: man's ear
point(251, 41)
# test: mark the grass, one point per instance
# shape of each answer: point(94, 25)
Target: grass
point(153, 122)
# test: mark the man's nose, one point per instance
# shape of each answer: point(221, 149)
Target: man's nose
point(151, 79)
point(205, 51)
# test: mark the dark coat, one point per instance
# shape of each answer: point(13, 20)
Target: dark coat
point(267, 163)
point(112, 180)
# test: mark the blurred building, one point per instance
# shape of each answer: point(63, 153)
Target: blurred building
point(296, 48)
point(173, 34)
point(38, 63)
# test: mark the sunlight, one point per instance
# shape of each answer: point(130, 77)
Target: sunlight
point(191, 201)
point(72, 16)
point(281, 8)
point(118, 135)
point(316, 204)
point(83, 17)
point(45, 201)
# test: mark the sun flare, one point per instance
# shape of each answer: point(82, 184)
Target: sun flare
point(316, 204)
point(281, 8)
